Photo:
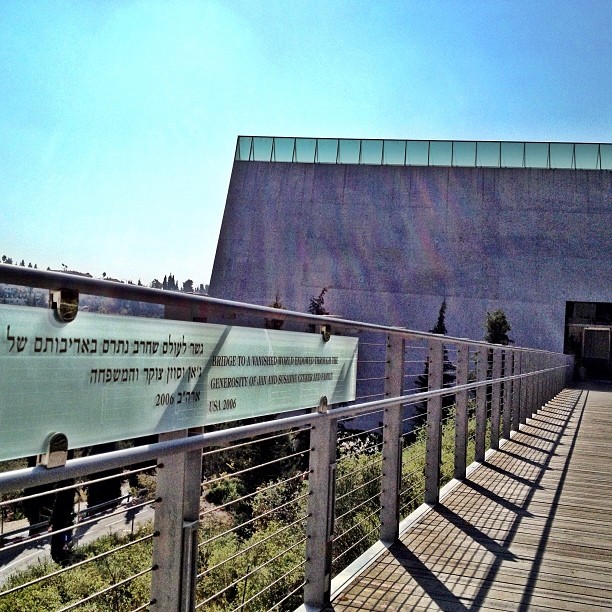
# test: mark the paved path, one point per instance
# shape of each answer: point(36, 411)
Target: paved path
point(531, 529)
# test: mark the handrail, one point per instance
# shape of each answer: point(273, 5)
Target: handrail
point(82, 466)
point(497, 389)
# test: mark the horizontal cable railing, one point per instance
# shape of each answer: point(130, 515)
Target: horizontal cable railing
point(262, 514)
point(449, 153)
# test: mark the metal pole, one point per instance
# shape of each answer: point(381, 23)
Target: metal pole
point(434, 423)
point(392, 441)
point(507, 394)
point(496, 398)
point(461, 419)
point(481, 405)
point(516, 390)
point(175, 526)
point(525, 389)
point(320, 522)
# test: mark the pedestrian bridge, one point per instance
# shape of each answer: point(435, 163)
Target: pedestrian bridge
point(528, 529)
point(463, 475)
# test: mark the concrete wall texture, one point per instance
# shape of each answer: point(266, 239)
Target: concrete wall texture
point(391, 243)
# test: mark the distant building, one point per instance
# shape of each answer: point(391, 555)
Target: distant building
point(393, 227)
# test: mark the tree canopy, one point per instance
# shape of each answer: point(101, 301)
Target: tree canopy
point(497, 327)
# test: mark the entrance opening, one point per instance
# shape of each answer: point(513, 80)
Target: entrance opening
point(588, 336)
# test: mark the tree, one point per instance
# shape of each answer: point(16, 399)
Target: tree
point(316, 307)
point(275, 323)
point(188, 286)
point(316, 304)
point(155, 284)
point(448, 370)
point(497, 327)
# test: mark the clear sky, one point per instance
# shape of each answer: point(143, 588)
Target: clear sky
point(118, 119)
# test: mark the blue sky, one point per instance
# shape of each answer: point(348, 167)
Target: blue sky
point(118, 119)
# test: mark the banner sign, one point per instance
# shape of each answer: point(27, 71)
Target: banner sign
point(104, 378)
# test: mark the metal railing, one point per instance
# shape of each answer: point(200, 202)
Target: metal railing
point(262, 515)
point(449, 153)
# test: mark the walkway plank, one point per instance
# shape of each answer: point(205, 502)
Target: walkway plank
point(531, 529)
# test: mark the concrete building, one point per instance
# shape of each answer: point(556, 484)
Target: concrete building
point(393, 227)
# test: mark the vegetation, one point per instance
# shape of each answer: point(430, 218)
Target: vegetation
point(497, 327)
point(84, 580)
point(275, 323)
point(260, 564)
point(169, 283)
point(448, 372)
point(316, 305)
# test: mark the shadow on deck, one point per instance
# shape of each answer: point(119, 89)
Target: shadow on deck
point(529, 529)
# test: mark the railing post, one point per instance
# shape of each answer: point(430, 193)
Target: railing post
point(516, 390)
point(392, 441)
point(540, 384)
point(481, 405)
point(549, 380)
point(531, 388)
point(496, 398)
point(535, 396)
point(321, 510)
point(434, 423)
point(176, 527)
point(461, 412)
point(525, 388)
point(507, 395)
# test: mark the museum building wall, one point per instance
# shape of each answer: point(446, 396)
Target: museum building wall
point(391, 242)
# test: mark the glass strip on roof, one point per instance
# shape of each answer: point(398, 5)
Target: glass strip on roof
point(440, 153)
point(464, 153)
point(468, 154)
point(327, 151)
point(605, 154)
point(513, 154)
point(372, 152)
point(348, 152)
point(417, 153)
point(488, 154)
point(394, 153)
point(536, 155)
point(283, 149)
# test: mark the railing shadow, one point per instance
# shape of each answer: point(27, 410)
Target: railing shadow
point(467, 585)
point(490, 576)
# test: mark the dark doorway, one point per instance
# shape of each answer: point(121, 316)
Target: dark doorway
point(588, 336)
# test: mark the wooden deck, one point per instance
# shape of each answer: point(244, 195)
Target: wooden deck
point(531, 529)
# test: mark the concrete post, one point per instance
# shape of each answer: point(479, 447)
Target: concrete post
point(392, 441)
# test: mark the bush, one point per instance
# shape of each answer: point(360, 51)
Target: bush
point(82, 581)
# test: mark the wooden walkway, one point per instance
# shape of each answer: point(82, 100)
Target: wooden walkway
point(531, 529)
